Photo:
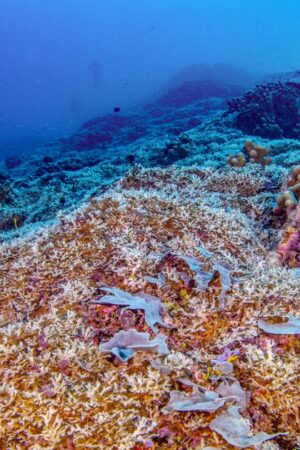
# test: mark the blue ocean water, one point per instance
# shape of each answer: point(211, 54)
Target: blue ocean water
point(65, 61)
point(82, 82)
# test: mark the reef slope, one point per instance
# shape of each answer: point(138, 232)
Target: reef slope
point(59, 391)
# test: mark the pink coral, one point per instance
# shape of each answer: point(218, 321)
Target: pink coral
point(289, 246)
point(292, 244)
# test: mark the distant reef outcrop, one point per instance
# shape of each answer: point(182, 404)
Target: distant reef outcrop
point(175, 111)
point(271, 110)
point(193, 91)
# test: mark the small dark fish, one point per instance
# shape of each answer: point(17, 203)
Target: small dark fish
point(130, 158)
point(117, 109)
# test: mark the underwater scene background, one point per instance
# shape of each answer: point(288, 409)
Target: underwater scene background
point(149, 224)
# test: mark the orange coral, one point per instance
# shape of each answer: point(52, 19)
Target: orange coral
point(257, 153)
point(254, 153)
point(294, 177)
point(237, 160)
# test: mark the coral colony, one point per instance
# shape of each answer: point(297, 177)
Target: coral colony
point(163, 312)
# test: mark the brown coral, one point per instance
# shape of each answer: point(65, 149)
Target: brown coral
point(287, 200)
point(294, 178)
point(257, 153)
point(253, 153)
point(237, 160)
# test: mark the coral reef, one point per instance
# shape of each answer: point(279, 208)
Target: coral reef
point(253, 153)
point(163, 312)
point(12, 161)
point(196, 90)
point(40, 188)
point(154, 234)
point(270, 110)
point(60, 175)
point(288, 203)
point(174, 112)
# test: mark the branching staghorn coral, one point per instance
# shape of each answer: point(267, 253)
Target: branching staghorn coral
point(51, 329)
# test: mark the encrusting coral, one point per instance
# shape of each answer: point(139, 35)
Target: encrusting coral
point(60, 391)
